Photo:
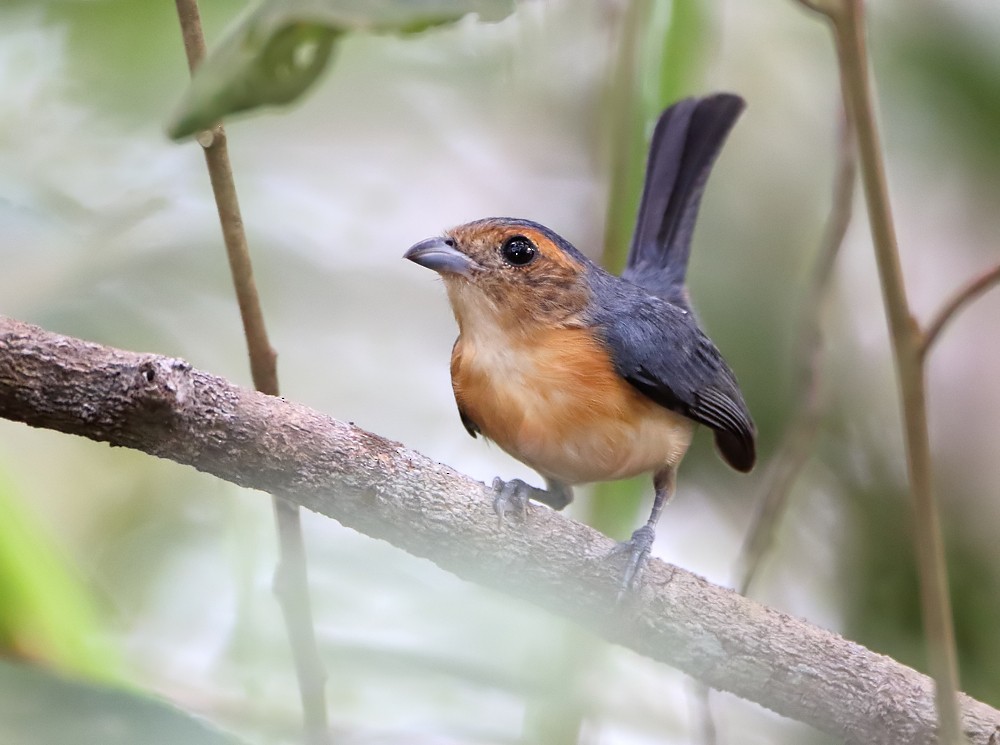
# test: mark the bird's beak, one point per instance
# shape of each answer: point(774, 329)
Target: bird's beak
point(441, 255)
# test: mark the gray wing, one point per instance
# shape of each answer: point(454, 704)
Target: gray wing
point(658, 348)
point(470, 426)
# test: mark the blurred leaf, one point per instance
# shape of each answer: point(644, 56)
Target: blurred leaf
point(121, 55)
point(614, 506)
point(278, 50)
point(884, 602)
point(951, 69)
point(46, 613)
point(41, 708)
point(683, 52)
point(661, 56)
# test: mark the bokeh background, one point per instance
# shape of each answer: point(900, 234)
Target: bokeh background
point(118, 567)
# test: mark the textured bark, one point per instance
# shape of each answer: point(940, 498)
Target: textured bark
point(164, 407)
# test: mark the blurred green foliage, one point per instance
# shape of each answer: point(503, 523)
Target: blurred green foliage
point(107, 231)
point(128, 54)
point(48, 614)
point(277, 50)
point(885, 614)
point(42, 708)
point(941, 56)
point(662, 52)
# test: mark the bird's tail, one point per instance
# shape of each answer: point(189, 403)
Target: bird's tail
point(686, 141)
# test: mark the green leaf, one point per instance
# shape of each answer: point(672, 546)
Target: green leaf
point(41, 708)
point(46, 612)
point(278, 50)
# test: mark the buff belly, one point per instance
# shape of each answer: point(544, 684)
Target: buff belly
point(556, 404)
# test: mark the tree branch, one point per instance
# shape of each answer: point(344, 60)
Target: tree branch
point(965, 295)
point(166, 408)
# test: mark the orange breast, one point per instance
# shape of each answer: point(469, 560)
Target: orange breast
point(554, 402)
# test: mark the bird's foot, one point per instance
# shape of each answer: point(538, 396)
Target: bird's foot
point(514, 495)
point(510, 496)
point(637, 548)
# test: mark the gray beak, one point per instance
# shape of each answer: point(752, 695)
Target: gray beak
point(441, 255)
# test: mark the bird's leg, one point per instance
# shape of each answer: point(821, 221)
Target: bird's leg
point(639, 545)
point(513, 495)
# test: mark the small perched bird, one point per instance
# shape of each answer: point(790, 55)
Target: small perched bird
point(582, 375)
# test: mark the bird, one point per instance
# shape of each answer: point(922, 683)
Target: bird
point(582, 375)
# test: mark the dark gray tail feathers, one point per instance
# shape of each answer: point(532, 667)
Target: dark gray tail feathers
point(685, 143)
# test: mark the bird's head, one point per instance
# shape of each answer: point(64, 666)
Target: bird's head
point(508, 272)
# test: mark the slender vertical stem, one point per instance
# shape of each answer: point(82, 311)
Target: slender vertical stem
point(849, 34)
point(291, 578)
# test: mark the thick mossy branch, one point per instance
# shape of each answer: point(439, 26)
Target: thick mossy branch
point(164, 407)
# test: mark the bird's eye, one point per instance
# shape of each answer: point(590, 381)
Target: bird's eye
point(518, 250)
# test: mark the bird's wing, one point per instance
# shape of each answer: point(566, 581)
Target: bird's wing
point(685, 143)
point(658, 348)
point(470, 426)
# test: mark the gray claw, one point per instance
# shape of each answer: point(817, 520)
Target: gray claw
point(637, 547)
point(510, 496)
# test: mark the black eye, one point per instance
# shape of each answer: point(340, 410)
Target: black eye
point(518, 250)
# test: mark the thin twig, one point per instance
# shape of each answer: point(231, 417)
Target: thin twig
point(797, 443)
point(965, 295)
point(291, 575)
point(848, 22)
point(164, 407)
point(263, 360)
